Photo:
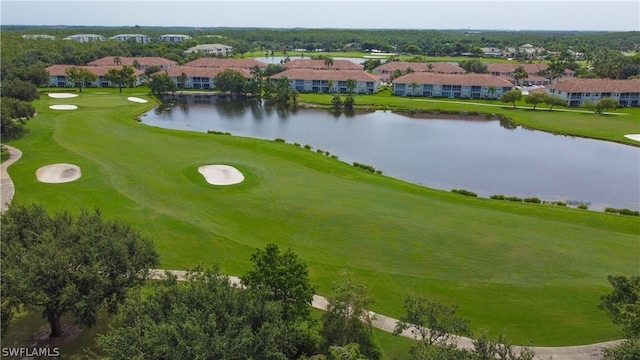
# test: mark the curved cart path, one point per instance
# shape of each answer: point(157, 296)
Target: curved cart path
point(7, 189)
point(582, 352)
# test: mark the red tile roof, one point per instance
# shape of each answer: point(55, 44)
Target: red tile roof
point(208, 72)
point(335, 75)
point(338, 64)
point(453, 79)
point(505, 68)
point(59, 70)
point(439, 67)
point(226, 63)
point(144, 61)
point(573, 85)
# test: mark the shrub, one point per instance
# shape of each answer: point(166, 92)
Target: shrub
point(622, 211)
point(464, 192)
point(497, 197)
point(320, 151)
point(513, 198)
point(218, 132)
point(583, 207)
point(296, 144)
point(334, 156)
point(308, 147)
point(280, 140)
point(533, 200)
point(379, 172)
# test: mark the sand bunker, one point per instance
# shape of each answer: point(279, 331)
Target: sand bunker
point(136, 99)
point(221, 174)
point(58, 173)
point(63, 107)
point(62, 95)
point(635, 137)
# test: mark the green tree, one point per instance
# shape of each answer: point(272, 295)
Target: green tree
point(396, 74)
point(281, 277)
point(337, 102)
point(150, 70)
point(501, 348)
point(431, 322)
point(117, 61)
point(182, 80)
point(328, 62)
point(413, 49)
point(511, 96)
point(347, 319)
point(371, 64)
point(535, 99)
point(162, 84)
point(553, 101)
point(122, 76)
point(474, 66)
point(204, 317)
point(230, 80)
point(80, 76)
point(622, 305)
point(348, 352)
point(256, 81)
point(19, 89)
point(349, 102)
point(519, 74)
point(413, 85)
point(330, 85)
point(351, 85)
point(429, 67)
point(491, 90)
point(63, 264)
point(13, 116)
point(606, 103)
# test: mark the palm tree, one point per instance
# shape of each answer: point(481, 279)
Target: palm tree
point(330, 86)
point(491, 90)
point(328, 62)
point(136, 64)
point(182, 80)
point(429, 67)
point(117, 60)
point(351, 85)
point(413, 86)
point(520, 73)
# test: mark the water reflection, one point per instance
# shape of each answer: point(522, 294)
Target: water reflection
point(436, 150)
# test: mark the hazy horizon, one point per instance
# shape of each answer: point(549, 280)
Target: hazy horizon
point(478, 15)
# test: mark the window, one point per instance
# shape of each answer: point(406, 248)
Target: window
point(399, 86)
point(475, 88)
point(505, 89)
point(427, 87)
point(446, 87)
point(456, 88)
point(369, 84)
point(342, 83)
point(606, 95)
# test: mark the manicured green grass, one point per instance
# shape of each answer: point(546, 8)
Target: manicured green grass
point(569, 121)
point(533, 271)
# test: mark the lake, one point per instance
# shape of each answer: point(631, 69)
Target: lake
point(484, 156)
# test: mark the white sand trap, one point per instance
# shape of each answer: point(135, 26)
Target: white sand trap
point(63, 107)
point(136, 99)
point(221, 174)
point(635, 137)
point(58, 173)
point(62, 95)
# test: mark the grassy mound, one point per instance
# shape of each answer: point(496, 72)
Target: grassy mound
point(533, 271)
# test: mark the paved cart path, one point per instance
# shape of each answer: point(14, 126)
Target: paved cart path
point(386, 323)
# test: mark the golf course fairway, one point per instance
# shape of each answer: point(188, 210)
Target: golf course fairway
point(534, 272)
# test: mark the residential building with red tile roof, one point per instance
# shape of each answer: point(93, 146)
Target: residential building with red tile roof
point(338, 64)
point(201, 77)
point(534, 70)
point(579, 91)
point(309, 80)
point(385, 70)
point(226, 63)
point(473, 86)
point(58, 77)
point(142, 62)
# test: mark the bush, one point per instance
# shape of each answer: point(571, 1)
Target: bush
point(379, 172)
point(218, 132)
point(583, 207)
point(464, 192)
point(334, 156)
point(513, 198)
point(308, 147)
point(497, 197)
point(296, 144)
point(533, 200)
point(622, 211)
point(280, 140)
point(320, 151)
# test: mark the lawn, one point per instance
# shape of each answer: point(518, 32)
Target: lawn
point(533, 271)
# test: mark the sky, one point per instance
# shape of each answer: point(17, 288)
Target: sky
point(566, 15)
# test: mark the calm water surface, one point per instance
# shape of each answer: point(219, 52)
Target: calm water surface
point(477, 155)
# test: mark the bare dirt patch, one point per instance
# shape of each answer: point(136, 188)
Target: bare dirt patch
point(41, 339)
